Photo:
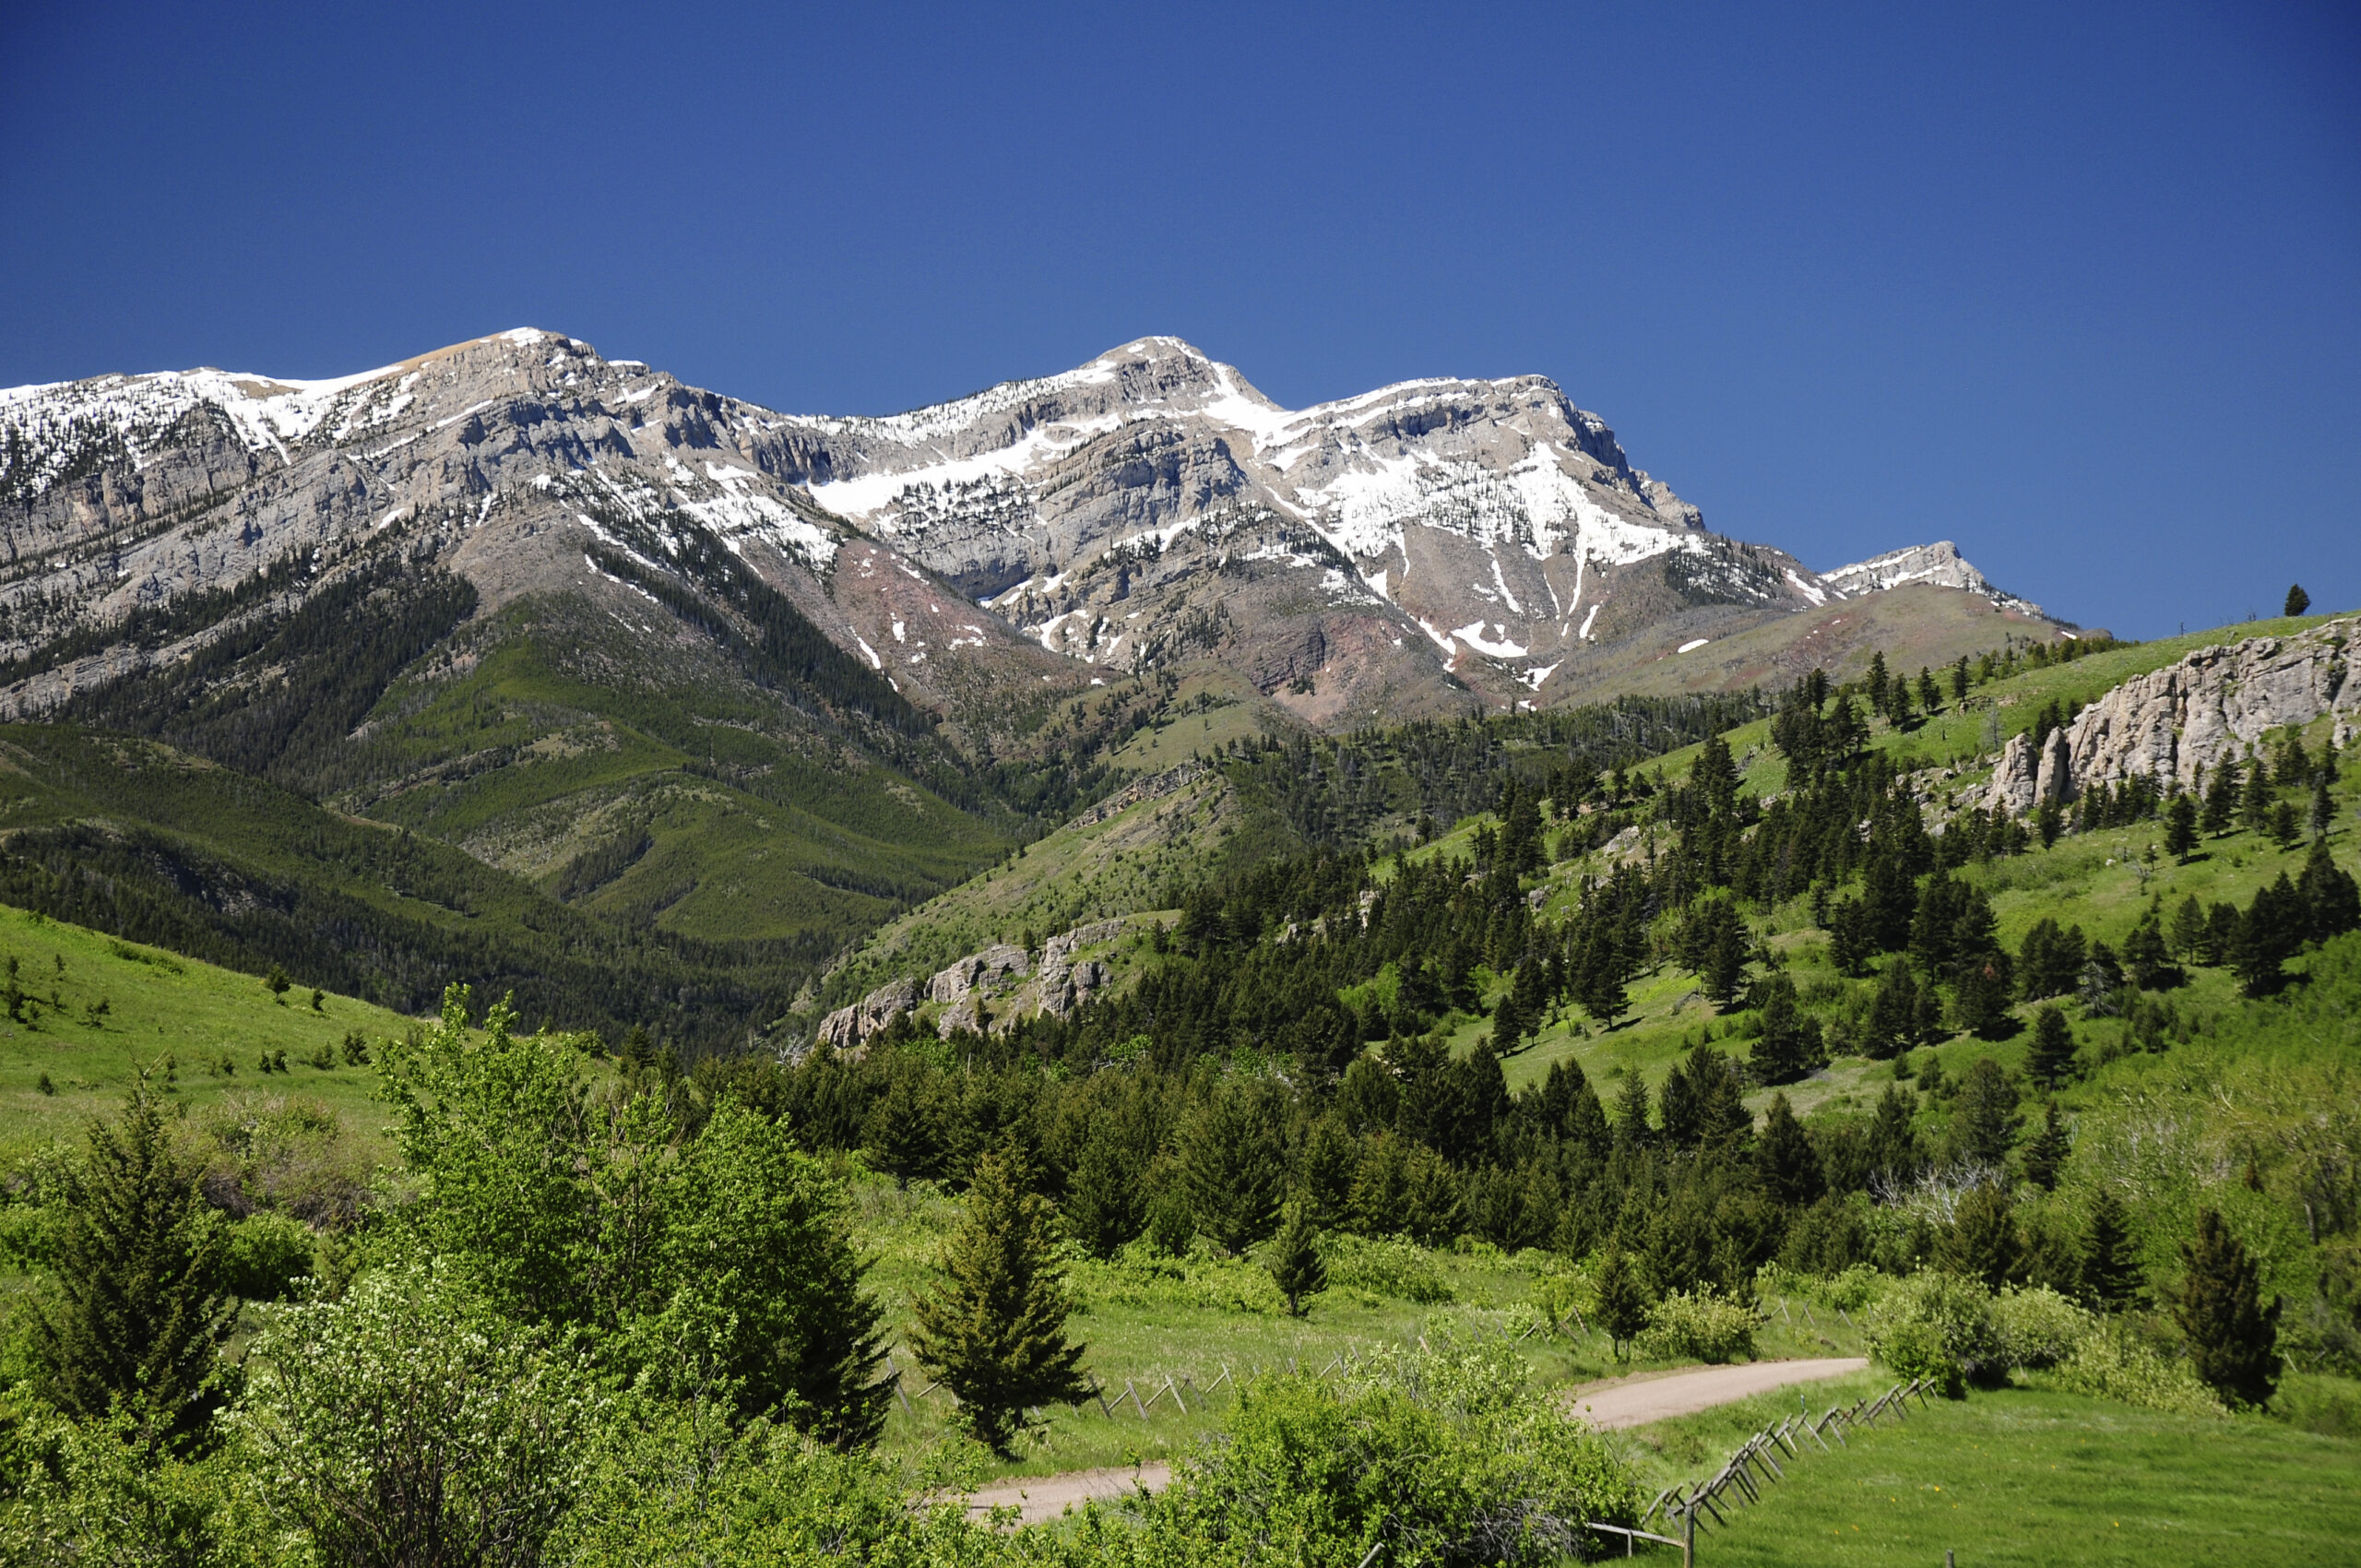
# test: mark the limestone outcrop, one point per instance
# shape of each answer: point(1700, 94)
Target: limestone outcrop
point(2210, 707)
point(848, 1027)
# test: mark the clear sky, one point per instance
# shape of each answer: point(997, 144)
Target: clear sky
point(2076, 286)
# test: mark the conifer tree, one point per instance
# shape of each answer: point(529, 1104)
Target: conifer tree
point(2051, 1060)
point(2111, 1274)
point(1784, 1159)
point(2323, 811)
point(1985, 1124)
point(2189, 930)
point(1106, 1204)
point(1982, 1241)
point(1893, 1011)
point(2298, 600)
point(1893, 1151)
point(2045, 1151)
point(1632, 1130)
point(140, 1309)
point(1790, 1044)
point(1296, 1265)
point(1231, 1167)
point(2180, 828)
point(994, 1328)
point(2221, 799)
point(1622, 1300)
point(2233, 1337)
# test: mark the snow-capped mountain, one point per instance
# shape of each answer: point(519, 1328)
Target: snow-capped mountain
point(1416, 549)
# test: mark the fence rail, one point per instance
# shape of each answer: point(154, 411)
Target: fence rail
point(1755, 1466)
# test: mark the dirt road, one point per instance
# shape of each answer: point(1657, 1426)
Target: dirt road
point(1046, 1497)
point(1625, 1402)
point(1655, 1396)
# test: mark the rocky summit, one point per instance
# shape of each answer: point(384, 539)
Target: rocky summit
point(1433, 547)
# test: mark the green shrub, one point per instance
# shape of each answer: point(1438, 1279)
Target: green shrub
point(1444, 1459)
point(2037, 1327)
point(1915, 1349)
point(266, 1254)
point(2113, 1365)
point(1702, 1326)
point(1933, 1309)
point(1387, 1267)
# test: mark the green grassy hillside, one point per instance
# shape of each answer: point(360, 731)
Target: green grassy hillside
point(159, 848)
point(2027, 1476)
point(96, 1010)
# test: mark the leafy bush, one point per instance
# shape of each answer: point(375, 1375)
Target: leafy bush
point(1387, 1267)
point(264, 1256)
point(2037, 1327)
point(2113, 1365)
point(1702, 1326)
point(1448, 1457)
point(1936, 1326)
point(1916, 1350)
point(406, 1413)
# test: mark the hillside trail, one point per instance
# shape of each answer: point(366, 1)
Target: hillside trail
point(1619, 1402)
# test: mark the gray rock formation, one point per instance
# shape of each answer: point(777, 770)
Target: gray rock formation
point(2210, 708)
point(1939, 565)
point(986, 971)
point(848, 1028)
point(1065, 984)
point(1417, 550)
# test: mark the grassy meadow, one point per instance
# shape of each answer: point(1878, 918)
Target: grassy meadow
point(2024, 1476)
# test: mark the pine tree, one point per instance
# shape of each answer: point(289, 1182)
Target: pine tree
point(1789, 1046)
point(1982, 1241)
point(2189, 930)
point(2051, 1060)
point(2221, 799)
point(2298, 600)
point(994, 1328)
point(2323, 811)
point(1296, 1264)
point(2112, 1277)
point(2045, 1151)
point(1632, 1130)
point(1894, 1154)
point(140, 1308)
point(1106, 1204)
point(1985, 1124)
point(1231, 1167)
point(1893, 1011)
point(2232, 1336)
point(1622, 1300)
point(1789, 1167)
point(2180, 828)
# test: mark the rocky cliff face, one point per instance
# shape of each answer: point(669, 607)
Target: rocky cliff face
point(1431, 547)
point(2211, 706)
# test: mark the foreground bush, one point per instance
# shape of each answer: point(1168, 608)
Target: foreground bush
point(1703, 1326)
point(2113, 1365)
point(1937, 1327)
point(404, 1424)
point(1447, 1458)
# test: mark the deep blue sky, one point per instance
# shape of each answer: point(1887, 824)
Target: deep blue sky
point(2079, 287)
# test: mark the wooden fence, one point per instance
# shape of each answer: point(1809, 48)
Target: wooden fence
point(1756, 1464)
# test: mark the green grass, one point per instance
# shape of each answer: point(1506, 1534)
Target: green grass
point(158, 1005)
point(2031, 1477)
point(1122, 865)
point(1143, 1323)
